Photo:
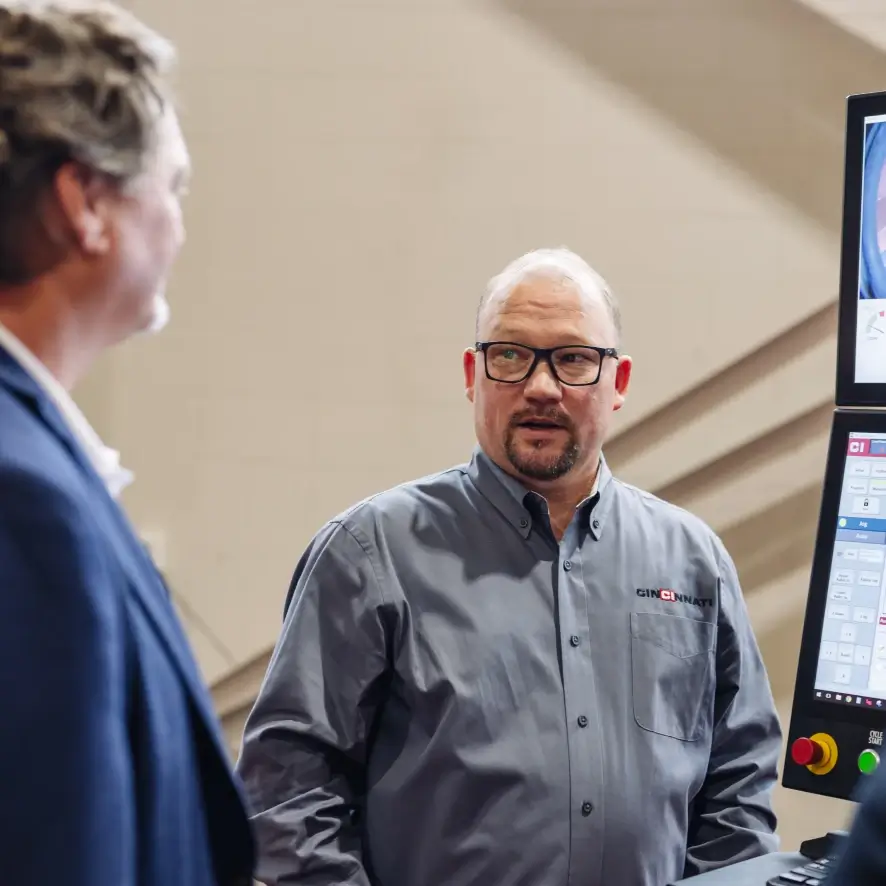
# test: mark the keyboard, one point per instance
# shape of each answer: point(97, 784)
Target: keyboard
point(810, 874)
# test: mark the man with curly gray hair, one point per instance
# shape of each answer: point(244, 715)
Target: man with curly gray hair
point(112, 767)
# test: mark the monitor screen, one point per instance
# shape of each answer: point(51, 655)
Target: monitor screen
point(870, 328)
point(861, 375)
point(852, 652)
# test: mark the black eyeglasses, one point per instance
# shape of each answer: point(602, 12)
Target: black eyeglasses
point(512, 363)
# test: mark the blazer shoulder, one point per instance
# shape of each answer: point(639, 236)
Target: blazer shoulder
point(47, 521)
point(33, 460)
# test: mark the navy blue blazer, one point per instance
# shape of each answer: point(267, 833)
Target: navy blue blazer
point(113, 771)
point(862, 858)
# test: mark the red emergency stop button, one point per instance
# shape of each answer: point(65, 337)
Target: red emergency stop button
point(806, 752)
point(818, 753)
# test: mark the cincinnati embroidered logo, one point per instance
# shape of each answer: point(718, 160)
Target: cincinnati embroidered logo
point(669, 595)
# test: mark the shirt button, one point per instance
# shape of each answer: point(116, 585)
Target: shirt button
point(524, 523)
point(567, 565)
point(582, 721)
point(596, 524)
point(586, 808)
point(573, 640)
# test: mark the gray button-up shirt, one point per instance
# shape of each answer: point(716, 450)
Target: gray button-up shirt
point(458, 699)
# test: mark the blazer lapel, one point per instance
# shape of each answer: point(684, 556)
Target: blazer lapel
point(23, 385)
point(152, 596)
point(144, 578)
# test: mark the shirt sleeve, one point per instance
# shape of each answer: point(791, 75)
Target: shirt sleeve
point(305, 741)
point(67, 796)
point(732, 817)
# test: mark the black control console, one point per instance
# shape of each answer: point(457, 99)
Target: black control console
point(838, 719)
point(828, 756)
point(819, 854)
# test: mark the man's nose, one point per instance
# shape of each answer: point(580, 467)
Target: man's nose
point(543, 384)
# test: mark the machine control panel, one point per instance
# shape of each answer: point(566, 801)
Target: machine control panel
point(838, 718)
point(829, 757)
point(839, 714)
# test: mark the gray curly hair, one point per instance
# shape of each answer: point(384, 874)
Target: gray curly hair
point(82, 82)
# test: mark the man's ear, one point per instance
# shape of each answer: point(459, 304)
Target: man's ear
point(469, 362)
point(622, 380)
point(83, 208)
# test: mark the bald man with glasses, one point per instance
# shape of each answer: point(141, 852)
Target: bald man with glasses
point(520, 670)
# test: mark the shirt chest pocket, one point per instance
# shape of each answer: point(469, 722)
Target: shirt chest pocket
point(672, 674)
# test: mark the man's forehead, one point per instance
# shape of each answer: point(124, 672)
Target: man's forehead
point(553, 298)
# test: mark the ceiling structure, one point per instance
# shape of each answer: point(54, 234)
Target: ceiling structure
point(861, 18)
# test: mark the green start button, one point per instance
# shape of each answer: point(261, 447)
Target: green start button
point(868, 761)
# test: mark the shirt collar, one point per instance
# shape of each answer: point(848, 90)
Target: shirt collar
point(520, 506)
point(106, 461)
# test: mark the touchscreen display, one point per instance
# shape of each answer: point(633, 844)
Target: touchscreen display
point(851, 665)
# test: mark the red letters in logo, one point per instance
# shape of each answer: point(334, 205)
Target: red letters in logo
point(668, 595)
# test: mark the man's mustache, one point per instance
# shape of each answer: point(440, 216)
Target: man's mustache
point(554, 416)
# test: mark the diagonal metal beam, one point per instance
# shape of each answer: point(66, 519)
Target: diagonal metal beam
point(760, 363)
point(763, 555)
point(761, 83)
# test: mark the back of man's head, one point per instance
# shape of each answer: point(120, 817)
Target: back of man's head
point(81, 82)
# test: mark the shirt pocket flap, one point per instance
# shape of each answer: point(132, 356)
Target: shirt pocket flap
point(676, 634)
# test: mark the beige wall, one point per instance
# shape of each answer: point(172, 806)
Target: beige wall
point(361, 169)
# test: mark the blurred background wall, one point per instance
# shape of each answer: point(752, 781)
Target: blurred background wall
point(363, 168)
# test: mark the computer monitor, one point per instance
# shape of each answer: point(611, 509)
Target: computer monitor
point(839, 712)
point(861, 357)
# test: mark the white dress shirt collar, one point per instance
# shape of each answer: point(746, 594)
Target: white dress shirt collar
point(106, 461)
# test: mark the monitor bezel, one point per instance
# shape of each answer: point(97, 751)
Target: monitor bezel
point(849, 392)
point(805, 704)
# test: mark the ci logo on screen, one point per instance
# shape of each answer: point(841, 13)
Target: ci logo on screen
point(668, 595)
